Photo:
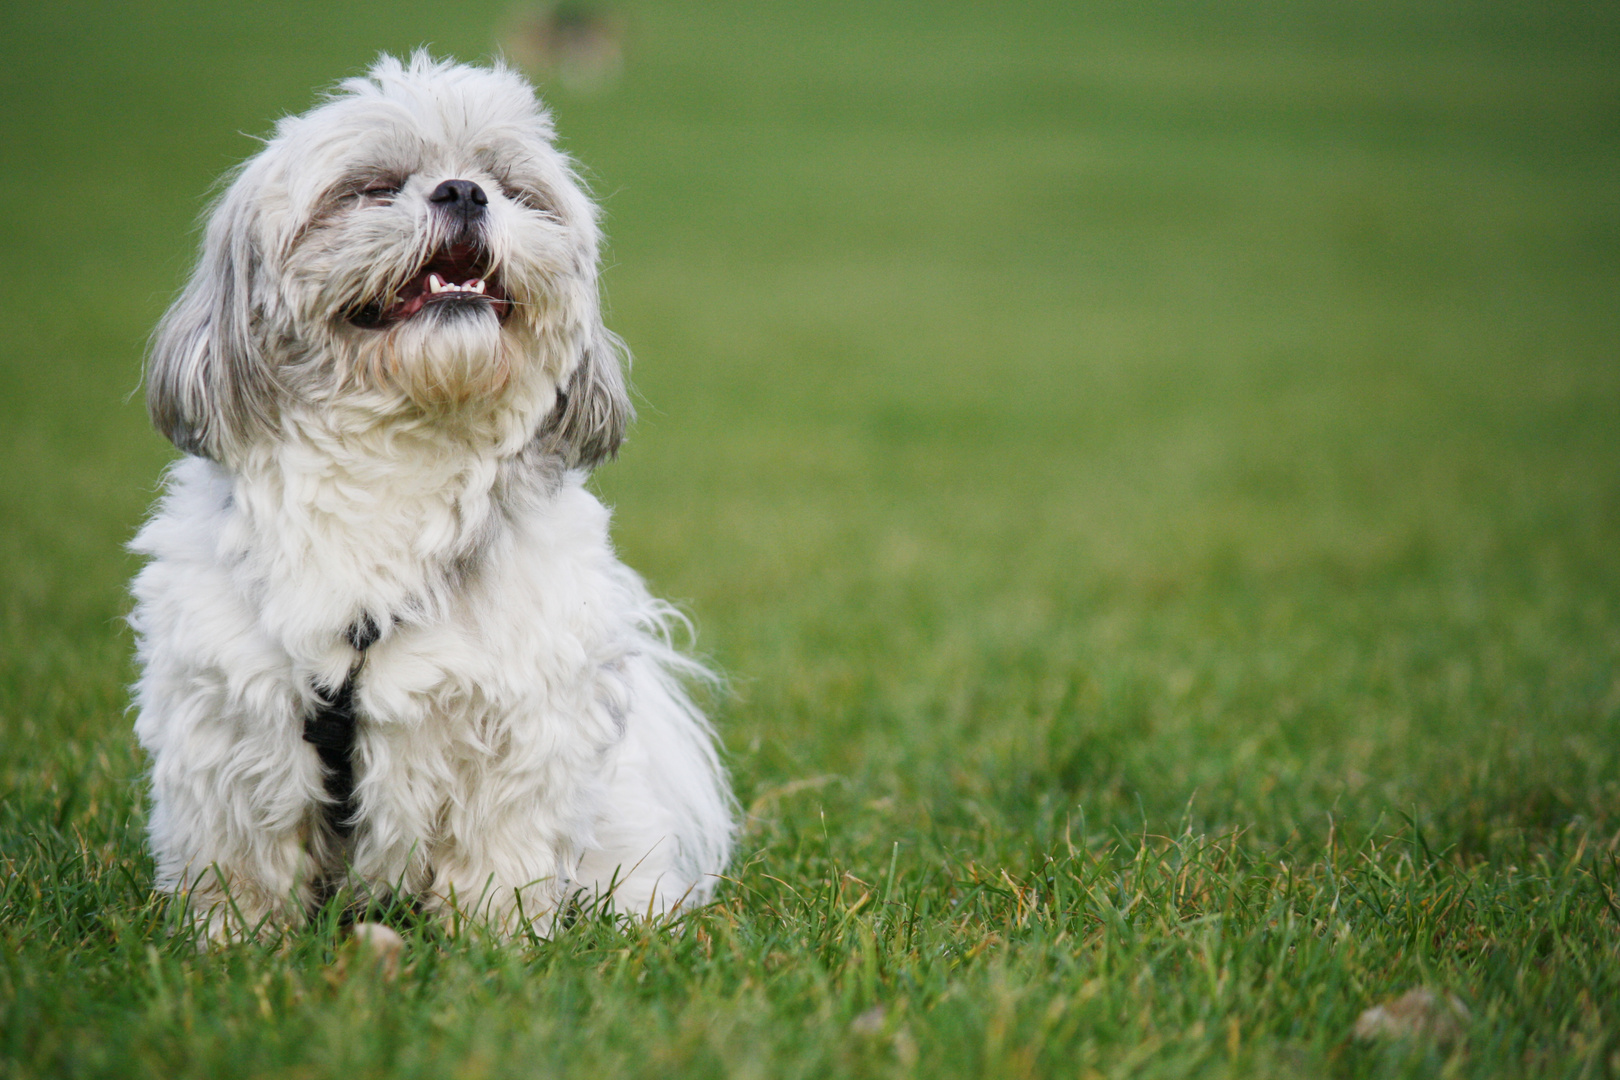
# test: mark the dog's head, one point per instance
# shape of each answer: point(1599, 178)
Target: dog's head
point(414, 245)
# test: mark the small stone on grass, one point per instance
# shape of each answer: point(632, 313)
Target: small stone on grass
point(378, 945)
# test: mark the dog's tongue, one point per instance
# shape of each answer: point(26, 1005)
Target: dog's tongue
point(458, 263)
point(453, 272)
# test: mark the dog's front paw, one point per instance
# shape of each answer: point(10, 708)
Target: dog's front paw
point(217, 915)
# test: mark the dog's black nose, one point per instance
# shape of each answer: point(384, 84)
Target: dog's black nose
point(460, 196)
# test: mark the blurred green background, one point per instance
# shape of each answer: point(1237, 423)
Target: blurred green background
point(1254, 361)
point(1198, 412)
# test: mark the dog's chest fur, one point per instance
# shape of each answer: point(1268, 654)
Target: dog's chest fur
point(470, 566)
point(386, 530)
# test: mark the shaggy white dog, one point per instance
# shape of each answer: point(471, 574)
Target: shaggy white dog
point(384, 640)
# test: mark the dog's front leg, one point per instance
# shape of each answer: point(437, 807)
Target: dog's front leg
point(232, 784)
point(230, 845)
point(504, 868)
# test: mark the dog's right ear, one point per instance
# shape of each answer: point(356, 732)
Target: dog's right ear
point(209, 388)
point(593, 408)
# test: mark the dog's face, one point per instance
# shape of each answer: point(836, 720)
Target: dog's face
point(414, 245)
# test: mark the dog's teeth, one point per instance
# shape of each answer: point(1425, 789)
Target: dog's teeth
point(437, 284)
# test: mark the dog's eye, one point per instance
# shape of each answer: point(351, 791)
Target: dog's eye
point(534, 200)
point(372, 188)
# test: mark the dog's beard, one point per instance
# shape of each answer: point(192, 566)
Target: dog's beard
point(443, 356)
point(443, 334)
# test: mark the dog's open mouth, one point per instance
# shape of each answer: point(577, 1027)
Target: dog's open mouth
point(457, 277)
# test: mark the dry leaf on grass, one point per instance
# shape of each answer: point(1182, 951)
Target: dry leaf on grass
point(1419, 1013)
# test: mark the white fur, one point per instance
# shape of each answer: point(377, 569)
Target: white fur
point(524, 737)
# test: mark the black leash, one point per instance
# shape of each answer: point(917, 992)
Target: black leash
point(332, 730)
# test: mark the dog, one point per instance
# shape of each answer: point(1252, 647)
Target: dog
point(386, 649)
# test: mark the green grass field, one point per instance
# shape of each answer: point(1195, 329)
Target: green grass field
point(1151, 476)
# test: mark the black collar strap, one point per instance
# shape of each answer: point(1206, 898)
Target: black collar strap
point(332, 730)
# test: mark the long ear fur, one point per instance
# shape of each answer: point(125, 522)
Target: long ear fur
point(593, 408)
point(208, 386)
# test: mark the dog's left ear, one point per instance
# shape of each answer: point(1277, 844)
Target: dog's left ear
point(208, 387)
point(593, 407)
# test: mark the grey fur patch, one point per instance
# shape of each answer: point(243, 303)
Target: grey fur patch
point(588, 423)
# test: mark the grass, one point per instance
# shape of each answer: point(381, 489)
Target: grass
point(1150, 475)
